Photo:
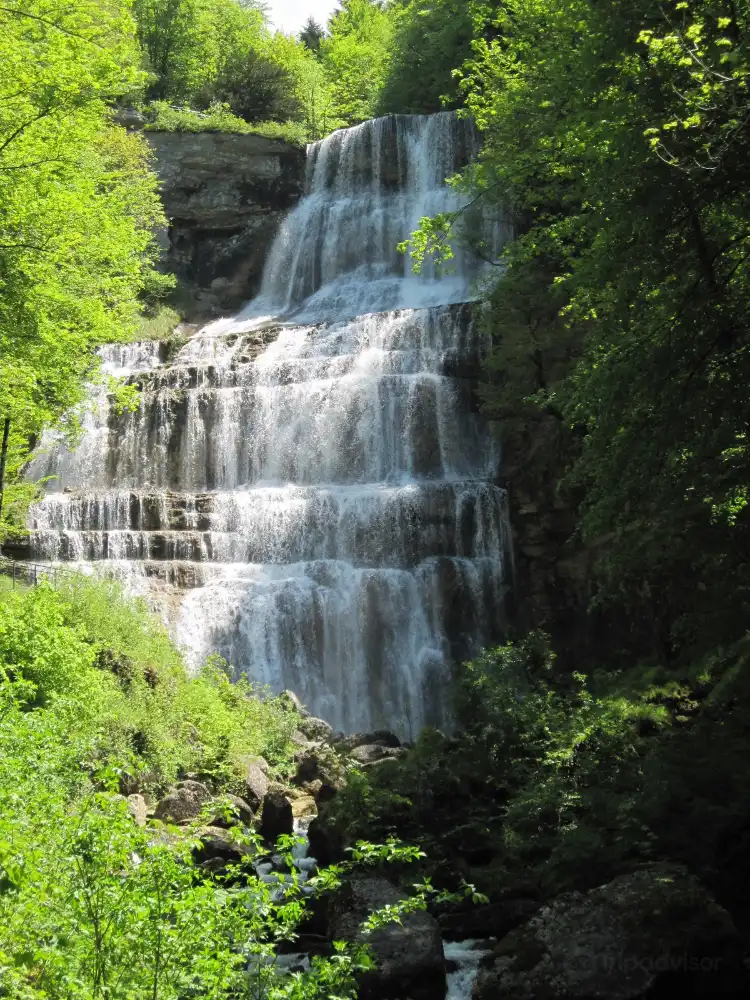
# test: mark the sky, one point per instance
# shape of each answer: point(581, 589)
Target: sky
point(290, 15)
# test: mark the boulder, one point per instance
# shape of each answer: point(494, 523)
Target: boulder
point(317, 762)
point(380, 736)
point(138, 809)
point(409, 956)
point(647, 933)
point(292, 702)
point(326, 842)
point(276, 817)
point(304, 805)
point(308, 766)
point(243, 815)
point(373, 753)
point(254, 772)
point(316, 729)
point(218, 848)
point(183, 803)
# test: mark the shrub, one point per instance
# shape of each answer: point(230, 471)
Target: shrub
point(162, 117)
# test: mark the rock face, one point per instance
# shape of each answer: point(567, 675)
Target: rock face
point(224, 196)
point(621, 941)
point(409, 956)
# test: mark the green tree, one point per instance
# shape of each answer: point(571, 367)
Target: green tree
point(355, 57)
point(616, 137)
point(189, 43)
point(78, 208)
point(311, 35)
point(431, 39)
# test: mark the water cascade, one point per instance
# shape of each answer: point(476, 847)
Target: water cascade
point(307, 488)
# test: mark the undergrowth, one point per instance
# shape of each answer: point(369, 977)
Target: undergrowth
point(163, 117)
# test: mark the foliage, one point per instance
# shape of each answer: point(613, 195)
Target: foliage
point(355, 56)
point(311, 35)
point(562, 781)
point(616, 137)
point(431, 39)
point(79, 638)
point(162, 117)
point(257, 89)
point(218, 55)
point(94, 699)
point(78, 208)
point(188, 43)
point(161, 325)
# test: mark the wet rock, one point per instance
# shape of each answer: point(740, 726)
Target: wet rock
point(316, 729)
point(183, 803)
point(277, 817)
point(218, 846)
point(643, 934)
point(138, 809)
point(255, 777)
point(373, 753)
point(380, 737)
point(409, 956)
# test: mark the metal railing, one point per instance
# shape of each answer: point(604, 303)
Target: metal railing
point(30, 574)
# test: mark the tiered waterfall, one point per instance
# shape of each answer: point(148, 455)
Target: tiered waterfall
point(307, 489)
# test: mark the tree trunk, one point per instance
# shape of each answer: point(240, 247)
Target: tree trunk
point(3, 460)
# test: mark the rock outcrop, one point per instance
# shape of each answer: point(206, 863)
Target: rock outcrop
point(639, 936)
point(409, 956)
point(224, 196)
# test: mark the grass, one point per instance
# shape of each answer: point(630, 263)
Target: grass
point(160, 326)
point(162, 117)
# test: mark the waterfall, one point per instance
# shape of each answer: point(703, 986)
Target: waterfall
point(307, 488)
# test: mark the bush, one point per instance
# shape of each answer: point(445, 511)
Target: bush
point(86, 651)
point(256, 89)
point(162, 117)
point(93, 694)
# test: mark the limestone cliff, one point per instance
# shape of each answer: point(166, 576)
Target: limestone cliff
point(224, 196)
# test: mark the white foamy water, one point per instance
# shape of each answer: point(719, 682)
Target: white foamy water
point(468, 956)
point(311, 482)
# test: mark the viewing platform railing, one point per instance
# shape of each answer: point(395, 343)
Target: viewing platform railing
point(30, 574)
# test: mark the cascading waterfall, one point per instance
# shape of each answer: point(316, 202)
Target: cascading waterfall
point(307, 487)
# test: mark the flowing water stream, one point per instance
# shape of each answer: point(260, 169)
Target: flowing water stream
point(307, 488)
